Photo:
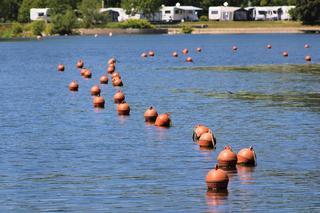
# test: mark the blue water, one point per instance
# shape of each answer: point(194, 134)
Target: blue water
point(59, 154)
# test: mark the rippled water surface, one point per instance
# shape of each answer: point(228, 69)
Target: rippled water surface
point(58, 154)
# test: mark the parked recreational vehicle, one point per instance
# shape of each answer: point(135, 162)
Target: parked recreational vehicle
point(285, 12)
point(39, 14)
point(179, 13)
point(222, 13)
point(119, 14)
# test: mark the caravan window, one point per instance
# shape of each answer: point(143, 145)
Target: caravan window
point(262, 12)
point(214, 12)
point(40, 14)
point(178, 12)
point(167, 12)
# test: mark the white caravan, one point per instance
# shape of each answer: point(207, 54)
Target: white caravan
point(222, 13)
point(179, 13)
point(39, 14)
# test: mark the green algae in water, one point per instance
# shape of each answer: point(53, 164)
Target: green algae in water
point(302, 68)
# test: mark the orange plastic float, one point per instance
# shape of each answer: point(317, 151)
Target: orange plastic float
point(111, 68)
point(306, 46)
point(87, 74)
point(116, 75)
point(217, 179)
point(185, 51)
point(73, 86)
point(189, 59)
point(112, 61)
point(150, 114)
point(227, 158)
point(207, 140)
point(95, 90)
point(60, 67)
point(269, 46)
point(198, 130)
point(98, 102)
point(104, 79)
point(234, 48)
point(247, 157)
point(82, 71)
point(117, 82)
point(151, 53)
point(118, 97)
point(175, 54)
point(307, 58)
point(198, 49)
point(80, 64)
point(163, 120)
point(285, 54)
point(123, 108)
point(144, 55)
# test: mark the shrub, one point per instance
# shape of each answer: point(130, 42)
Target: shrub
point(64, 23)
point(37, 27)
point(186, 29)
point(136, 24)
point(16, 28)
point(203, 18)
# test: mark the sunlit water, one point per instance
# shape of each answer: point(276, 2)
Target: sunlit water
point(57, 153)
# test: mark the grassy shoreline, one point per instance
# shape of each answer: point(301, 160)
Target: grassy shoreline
point(8, 31)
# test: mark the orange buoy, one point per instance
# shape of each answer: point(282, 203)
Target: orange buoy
point(80, 64)
point(117, 82)
point(112, 61)
point(123, 108)
point(95, 90)
point(150, 114)
point(60, 67)
point(104, 79)
point(306, 46)
point(151, 53)
point(82, 71)
point(285, 54)
point(73, 86)
point(269, 46)
point(207, 140)
point(144, 55)
point(234, 48)
point(111, 68)
point(198, 130)
point(217, 179)
point(87, 74)
point(227, 158)
point(185, 51)
point(163, 120)
point(307, 58)
point(116, 75)
point(189, 59)
point(175, 54)
point(118, 97)
point(247, 157)
point(198, 49)
point(98, 102)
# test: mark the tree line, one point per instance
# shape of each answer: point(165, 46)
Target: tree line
point(307, 11)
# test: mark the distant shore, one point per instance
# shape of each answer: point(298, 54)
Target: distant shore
point(171, 31)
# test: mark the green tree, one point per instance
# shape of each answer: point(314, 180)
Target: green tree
point(308, 11)
point(90, 12)
point(64, 23)
point(145, 7)
point(9, 9)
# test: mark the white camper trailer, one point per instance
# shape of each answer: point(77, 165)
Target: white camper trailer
point(119, 14)
point(265, 13)
point(39, 14)
point(285, 12)
point(179, 13)
point(222, 13)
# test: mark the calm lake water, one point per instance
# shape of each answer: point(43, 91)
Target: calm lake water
point(58, 154)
